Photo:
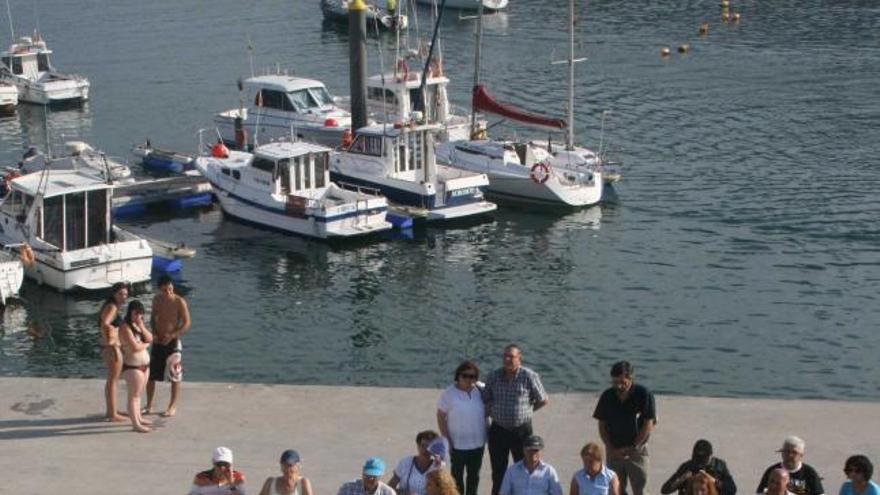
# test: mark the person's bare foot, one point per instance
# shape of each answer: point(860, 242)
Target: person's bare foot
point(116, 419)
point(142, 429)
point(122, 413)
point(170, 412)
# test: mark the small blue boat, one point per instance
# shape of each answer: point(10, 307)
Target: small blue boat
point(164, 161)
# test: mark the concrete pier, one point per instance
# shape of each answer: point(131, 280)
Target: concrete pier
point(52, 439)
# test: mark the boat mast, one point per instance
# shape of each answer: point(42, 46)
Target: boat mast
point(569, 140)
point(477, 58)
point(9, 15)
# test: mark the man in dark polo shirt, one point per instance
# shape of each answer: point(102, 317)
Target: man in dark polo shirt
point(703, 461)
point(512, 394)
point(626, 415)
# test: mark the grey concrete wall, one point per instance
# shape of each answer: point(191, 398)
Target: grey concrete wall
point(53, 441)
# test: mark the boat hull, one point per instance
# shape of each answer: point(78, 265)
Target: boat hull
point(54, 92)
point(95, 268)
point(350, 224)
point(11, 277)
point(275, 128)
point(489, 5)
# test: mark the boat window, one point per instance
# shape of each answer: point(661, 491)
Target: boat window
point(297, 173)
point(16, 65)
point(322, 165)
point(6, 61)
point(96, 202)
point(43, 62)
point(307, 171)
point(271, 99)
point(367, 145)
point(75, 216)
point(13, 205)
point(321, 96)
point(224, 171)
point(416, 150)
point(53, 220)
point(400, 166)
point(378, 94)
point(263, 164)
point(236, 175)
point(283, 172)
point(302, 99)
point(413, 98)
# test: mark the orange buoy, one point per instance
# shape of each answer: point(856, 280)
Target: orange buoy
point(220, 150)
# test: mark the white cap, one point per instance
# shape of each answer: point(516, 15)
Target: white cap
point(222, 454)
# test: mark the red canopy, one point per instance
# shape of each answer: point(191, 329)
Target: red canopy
point(484, 101)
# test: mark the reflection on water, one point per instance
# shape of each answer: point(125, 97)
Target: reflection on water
point(28, 128)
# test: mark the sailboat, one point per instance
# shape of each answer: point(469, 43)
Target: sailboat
point(550, 173)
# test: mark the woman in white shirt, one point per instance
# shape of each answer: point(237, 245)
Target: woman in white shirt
point(461, 417)
point(409, 475)
point(595, 478)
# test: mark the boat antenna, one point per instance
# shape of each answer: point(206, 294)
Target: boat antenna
point(9, 15)
point(36, 18)
point(420, 103)
point(477, 60)
point(569, 136)
point(250, 50)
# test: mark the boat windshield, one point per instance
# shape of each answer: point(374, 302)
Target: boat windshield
point(322, 96)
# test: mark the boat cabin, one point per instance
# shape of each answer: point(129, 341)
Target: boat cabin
point(72, 213)
point(285, 168)
point(407, 152)
point(28, 57)
point(395, 99)
point(288, 94)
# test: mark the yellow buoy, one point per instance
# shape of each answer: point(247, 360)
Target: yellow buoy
point(704, 29)
point(736, 17)
point(665, 51)
point(725, 16)
point(725, 4)
point(684, 48)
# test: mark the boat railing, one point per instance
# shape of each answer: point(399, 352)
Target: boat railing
point(371, 191)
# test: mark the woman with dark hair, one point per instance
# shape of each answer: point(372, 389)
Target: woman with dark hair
point(859, 470)
point(410, 474)
point(701, 484)
point(595, 478)
point(135, 361)
point(109, 319)
point(461, 418)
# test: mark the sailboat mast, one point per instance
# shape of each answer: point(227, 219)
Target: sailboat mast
point(569, 140)
point(477, 59)
point(9, 15)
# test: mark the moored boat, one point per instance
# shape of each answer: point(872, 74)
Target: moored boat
point(164, 161)
point(488, 5)
point(286, 186)
point(27, 65)
point(64, 215)
point(8, 97)
point(399, 161)
point(337, 11)
point(12, 272)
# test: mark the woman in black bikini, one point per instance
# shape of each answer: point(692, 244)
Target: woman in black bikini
point(135, 361)
point(109, 319)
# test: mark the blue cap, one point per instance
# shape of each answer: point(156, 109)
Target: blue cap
point(438, 447)
point(290, 456)
point(374, 466)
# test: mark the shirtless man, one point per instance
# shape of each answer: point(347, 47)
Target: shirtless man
point(169, 320)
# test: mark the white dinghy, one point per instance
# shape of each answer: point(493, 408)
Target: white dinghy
point(64, 216)
point(286, 186)
point(27, 65)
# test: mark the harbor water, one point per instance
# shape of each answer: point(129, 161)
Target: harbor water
point(742, 258)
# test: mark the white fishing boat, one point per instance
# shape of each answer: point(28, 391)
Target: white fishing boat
point(11, 274)
point(79, 156)
point(490, 5)
point(27, 65)
point(8, 97)
point(562, 174)
point(337, 10)
point(286, 186)
point(392, 98)
point(399, 161)
point(64, 216)
point(283, 107)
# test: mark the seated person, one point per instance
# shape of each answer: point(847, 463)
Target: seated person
point(701, 461)
point(221, 479)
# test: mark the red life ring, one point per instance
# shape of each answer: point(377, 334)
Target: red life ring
point(542, 176)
